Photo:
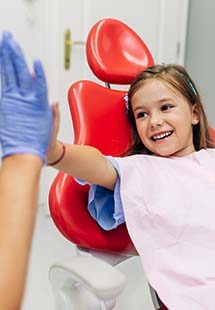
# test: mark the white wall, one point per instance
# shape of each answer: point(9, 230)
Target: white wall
point(200, 55)
point(23, 18)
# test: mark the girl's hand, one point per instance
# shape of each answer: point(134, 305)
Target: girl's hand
point(53, 148)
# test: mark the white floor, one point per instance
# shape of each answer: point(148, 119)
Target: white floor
point(49, 246)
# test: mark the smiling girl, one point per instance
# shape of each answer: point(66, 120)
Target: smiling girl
point(164, 102)
point(163, 188)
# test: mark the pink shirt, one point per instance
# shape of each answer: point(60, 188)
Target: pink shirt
point(169, 210)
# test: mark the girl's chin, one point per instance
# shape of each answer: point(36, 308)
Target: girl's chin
point(164, 153)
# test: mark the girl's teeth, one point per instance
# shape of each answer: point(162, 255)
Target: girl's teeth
point(163, 135)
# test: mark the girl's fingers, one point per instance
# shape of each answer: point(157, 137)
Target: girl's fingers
point(56, 124)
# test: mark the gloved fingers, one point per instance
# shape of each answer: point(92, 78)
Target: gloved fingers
point(40, 82)
point(8, 75)
point(3, 75)
point(23, 76)
point(4, 59)
point(1, 67)
point(7, 35)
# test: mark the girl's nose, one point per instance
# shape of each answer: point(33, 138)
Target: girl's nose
point(156, 121)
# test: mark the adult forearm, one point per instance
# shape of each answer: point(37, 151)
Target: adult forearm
point(19, 181)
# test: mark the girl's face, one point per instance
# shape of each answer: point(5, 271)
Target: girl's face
point(164, 119)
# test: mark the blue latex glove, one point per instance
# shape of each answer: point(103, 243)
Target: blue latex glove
point(25, 114)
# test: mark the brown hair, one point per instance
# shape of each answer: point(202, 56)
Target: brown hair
point(177, 77)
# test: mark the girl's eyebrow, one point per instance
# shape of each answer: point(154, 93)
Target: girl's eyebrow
point(165, 99)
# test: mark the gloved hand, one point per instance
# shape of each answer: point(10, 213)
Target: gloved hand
point(25, 114)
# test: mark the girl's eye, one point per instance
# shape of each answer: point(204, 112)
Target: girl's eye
point(141, 115)
point(166, 106)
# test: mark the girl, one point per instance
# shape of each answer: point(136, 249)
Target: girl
point(164, 187)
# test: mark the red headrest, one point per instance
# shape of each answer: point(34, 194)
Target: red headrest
point(115, 53)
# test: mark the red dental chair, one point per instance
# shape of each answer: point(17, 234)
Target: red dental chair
point(116, 54)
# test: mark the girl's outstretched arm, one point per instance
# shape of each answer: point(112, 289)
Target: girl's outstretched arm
point(81, 161)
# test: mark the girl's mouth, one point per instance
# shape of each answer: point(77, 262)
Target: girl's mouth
point(162, 135)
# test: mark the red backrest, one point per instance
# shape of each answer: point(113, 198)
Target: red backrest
point(212, 133)
point(115, 54)
point(100, 120)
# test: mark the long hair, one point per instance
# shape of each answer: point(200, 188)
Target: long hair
point(177, 77)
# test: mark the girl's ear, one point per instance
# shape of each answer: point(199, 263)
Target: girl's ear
point(195, 114)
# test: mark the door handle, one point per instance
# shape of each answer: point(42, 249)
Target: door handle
point(68, 43)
